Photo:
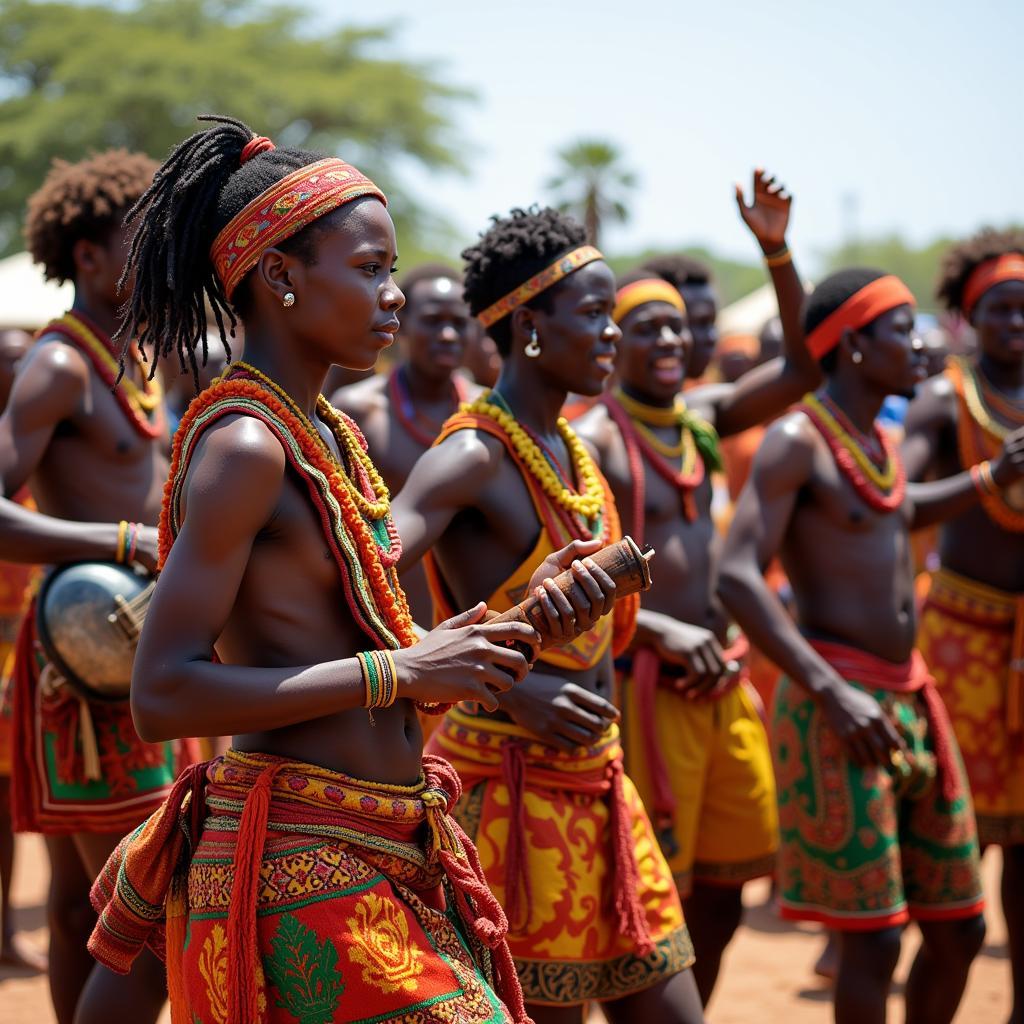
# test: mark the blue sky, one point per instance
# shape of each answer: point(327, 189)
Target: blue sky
point(881, 116)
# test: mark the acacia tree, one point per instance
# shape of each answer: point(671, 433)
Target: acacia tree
point(591, 183)
point(75, 78)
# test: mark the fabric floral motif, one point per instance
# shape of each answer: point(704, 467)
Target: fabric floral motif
point(213, 966)
point(867, 848)
point(382, 947)
point(304, 970)
point(967, 637)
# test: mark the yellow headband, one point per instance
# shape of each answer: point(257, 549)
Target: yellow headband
point(562, 267)
point(650, 289)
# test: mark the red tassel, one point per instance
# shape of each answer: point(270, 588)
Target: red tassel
point(242, 935)
point(632, 919)
point(646, 672)
point(517, 878)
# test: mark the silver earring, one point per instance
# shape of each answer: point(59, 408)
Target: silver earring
point(857, 357)
point(533, 349)
point(289, 300)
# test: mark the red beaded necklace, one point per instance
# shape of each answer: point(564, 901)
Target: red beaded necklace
point(409, 416)
point(841, 444)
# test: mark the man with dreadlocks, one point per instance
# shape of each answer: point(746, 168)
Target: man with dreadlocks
point(313, 872)
point(692, 735)
point(401, 413)
point(563, 838)
point(972, 624)
point(94, 458)
point(692, 279)
point(875, 818)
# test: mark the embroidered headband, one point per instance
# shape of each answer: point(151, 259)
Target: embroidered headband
point(540, 282)
point(857, 311)
point(650, 289)
point(1008, 267)
point(283, 210)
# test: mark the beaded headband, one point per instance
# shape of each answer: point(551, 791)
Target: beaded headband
point(562, 267)
point(283, 210)
point(857, 311)
point(1008, 267)
point(650, 289)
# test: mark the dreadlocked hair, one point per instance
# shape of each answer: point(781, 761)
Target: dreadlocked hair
point(679, 270)
point(511, 251)
point(828, 296)
point(960, 261)
point(195, 193)
point(85, 200)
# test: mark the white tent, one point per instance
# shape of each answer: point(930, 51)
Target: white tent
point(749, 314)
point(26, 299)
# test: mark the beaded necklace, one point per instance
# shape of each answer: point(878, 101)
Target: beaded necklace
point(143, 406)
point(407, 413)
point(634, 418)
point(980, 436)
point(884, 490)
point(365, 549)
point(587, 503)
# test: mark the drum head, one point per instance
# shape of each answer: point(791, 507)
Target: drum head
point(72, 616)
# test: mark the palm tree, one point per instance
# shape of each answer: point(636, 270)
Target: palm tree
point(591, 184)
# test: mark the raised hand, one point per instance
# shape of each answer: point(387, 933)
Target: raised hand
point(465, 658)
point(767, 216)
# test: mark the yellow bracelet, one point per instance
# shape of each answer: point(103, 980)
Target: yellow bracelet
point(122, 532)
point(987, 479)
point(780, 258)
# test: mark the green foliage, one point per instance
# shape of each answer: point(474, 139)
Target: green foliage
point(732, 278)
point(304, 971)
point(76, 78)
point(591, 184)
point(918, 266)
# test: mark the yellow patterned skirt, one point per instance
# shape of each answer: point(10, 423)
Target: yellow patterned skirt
point(971, 637)
point(568, 849)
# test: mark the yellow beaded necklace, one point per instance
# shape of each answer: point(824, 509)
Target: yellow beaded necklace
point(347, 441)
point(589, 503)
point(645, 416)
point(883, 479)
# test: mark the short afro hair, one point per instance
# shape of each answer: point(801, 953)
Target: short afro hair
point(512, 250)
point(679, 270)
point(86, 200)
point(828, 296)
point(426, 272)
point(961, 260)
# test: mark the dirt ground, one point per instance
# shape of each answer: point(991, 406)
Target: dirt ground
point(767, 975)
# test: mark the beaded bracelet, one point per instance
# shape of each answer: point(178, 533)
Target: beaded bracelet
point(780, 258)
point(380, 678)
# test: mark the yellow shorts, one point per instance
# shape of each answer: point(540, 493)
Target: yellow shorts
point(718, 762)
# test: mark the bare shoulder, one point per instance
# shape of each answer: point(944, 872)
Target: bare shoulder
point(52, 359)
point(787, 452)
point(933, 405)
point(238, 460)
point(362, 397)
point(597, 430)
point(470, 451)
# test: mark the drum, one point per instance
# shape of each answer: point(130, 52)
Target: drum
point(88, 618)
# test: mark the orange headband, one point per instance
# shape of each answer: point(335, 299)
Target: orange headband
point(857, 311)
point(562, 267)
point(283, 210)
point(1008, 267)
point(650, 289)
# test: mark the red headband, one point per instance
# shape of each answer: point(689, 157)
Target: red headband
point(1008, 267)
point(283, 210)
point(857, 311)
